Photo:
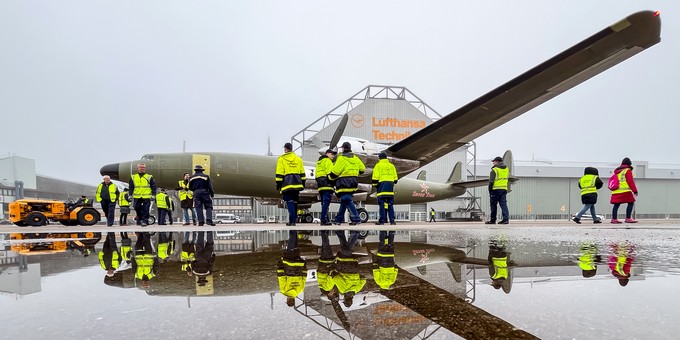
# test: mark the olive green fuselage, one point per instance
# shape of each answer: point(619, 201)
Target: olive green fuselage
point(253, 176)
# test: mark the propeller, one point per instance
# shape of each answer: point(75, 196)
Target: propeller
point(335, 139)
point(338, 132)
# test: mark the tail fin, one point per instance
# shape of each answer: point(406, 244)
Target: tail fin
point(422, 176)
point(456, 174)
point(507, 159)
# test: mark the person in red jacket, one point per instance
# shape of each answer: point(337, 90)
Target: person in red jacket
point(621, 262)
point(626, 192)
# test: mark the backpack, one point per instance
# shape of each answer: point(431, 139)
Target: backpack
point(613, 183)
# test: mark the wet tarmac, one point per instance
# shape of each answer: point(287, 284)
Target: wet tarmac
point(550, 280)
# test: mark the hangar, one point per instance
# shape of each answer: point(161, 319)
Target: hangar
point(545, 190)
point(379, 115)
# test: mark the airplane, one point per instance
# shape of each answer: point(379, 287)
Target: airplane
point(253, 175)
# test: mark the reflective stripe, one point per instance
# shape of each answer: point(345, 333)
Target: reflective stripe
point(587, 183)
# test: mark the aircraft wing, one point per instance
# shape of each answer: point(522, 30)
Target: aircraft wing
point(577, 64)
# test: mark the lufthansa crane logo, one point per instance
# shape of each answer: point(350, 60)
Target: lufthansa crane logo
point(357, 121)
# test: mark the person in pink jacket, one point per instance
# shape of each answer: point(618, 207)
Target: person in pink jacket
point(626, 192)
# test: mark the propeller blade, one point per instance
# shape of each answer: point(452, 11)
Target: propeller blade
point(338, 132)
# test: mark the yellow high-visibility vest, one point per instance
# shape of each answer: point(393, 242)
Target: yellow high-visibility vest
point(623, 184)
point(185, 193)
point(501, 180)
point(587, 183)
point(142, 185)
point(112, 192)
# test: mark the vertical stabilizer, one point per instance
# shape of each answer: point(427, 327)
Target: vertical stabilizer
point(456, 174)
point(507, 159)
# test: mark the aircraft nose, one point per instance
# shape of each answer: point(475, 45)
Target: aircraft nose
point(111, 170)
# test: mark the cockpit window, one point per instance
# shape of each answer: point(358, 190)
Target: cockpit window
point(147, 157)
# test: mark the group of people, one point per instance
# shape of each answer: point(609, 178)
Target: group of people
point(622, 185)
point(339, 275)
point(339, 177)
point(623, 190)
point(142, 259)
point(194, 191)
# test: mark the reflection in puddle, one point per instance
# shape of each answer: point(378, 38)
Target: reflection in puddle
point(335, 283)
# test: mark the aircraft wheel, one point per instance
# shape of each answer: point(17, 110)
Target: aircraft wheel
point(152, 219)
point(363, 215)
point(363, 234)
point(307, 218)
point(88, 216)
point(36, 219)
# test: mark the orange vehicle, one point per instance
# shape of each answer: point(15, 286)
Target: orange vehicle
point(34, 244)
point(29, 212)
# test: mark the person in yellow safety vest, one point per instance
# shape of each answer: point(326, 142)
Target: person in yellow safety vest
point(588, 259)
point(83, 201)
point(171, 208)
point(166, 245)
point(143, 189)
point(125, 247)
point(107, 195)
point(186, 199)
point(300, 215)
point(498, 266)
point(201, 186)
point(498, 190)
point(187, 256)
point(326, 265)
point(384, 268)
point(109, 257)
point(384, 179)
point(621, 262)
point(324, 185)
point(290, 180)
point(589, 184)
point(292, 275)
point(124, 204)
point(345, 172)
point(163, 206)
point(347, 279)
point(625, 193)
point(144, 259)
point(432, 215)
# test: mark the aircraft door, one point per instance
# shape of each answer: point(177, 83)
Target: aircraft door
point(202, 160)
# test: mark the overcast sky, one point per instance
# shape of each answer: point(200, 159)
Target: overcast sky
point(88, 83)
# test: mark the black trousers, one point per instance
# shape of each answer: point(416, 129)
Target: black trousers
point(109, 209)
